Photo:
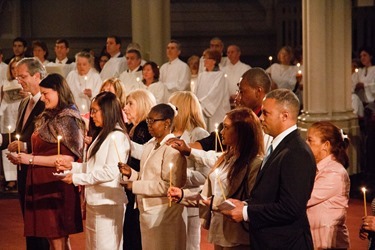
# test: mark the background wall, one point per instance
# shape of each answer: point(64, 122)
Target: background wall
point(259, 27)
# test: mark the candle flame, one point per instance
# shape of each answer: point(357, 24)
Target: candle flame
point(298, 65)
point(9, 127)
point(299, 72)
point(270, 58)
point(170, 165)
point(364, 190)
point(59, 137)
point(356, 70)
point(85, 78)
point(138, 79)
point(18, 136)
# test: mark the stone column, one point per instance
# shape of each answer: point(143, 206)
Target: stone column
point(151, 28)
point(327, 69)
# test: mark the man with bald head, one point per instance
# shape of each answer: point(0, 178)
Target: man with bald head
point(276, 210)
point(233, 70)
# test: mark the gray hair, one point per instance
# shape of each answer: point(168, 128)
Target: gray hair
point(34, 66)
point(285, 98)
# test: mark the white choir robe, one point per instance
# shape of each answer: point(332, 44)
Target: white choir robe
point(158, 89)
point(213, 96)
point(131, 79)
point(114, 67)
point(233, 74)
point(283, 75)
point(367, 77)
point(175, 75)
point(77, 84)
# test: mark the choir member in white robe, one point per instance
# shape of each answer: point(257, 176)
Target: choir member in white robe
point(284, 74)
point(117, 63)
point(85, 81)
point(175, 74)
point(132, 77)
point(211, 90)
point(233, 70)
point(151, 82)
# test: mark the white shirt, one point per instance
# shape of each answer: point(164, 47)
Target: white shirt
point(175, 75)
point(3, 71)
point(233, 73)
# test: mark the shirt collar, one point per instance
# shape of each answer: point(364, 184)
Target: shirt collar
point(276, 141)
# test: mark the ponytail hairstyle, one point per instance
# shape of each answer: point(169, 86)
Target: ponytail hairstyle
point(336, 137)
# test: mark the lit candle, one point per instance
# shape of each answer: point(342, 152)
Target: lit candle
point(85, 81)
point(83, 107)
point(270, 59)
point(59, 137)
point(298, 65)
point(170, 181)
point(138, 79)
point(217, 172)
point(19, 144)
point(19, 149)
point(299, 72)
point(356, 70)
point(10, 138)
point(114, 142)
point(364, 200)
point(218, 138)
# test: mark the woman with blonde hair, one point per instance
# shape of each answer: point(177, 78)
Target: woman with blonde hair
point(138, 104)
point(189, 125)
point(115, 86)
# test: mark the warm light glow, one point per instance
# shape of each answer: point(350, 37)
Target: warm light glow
point(270, 58)
point(9, 127)
point(18, 137)
point(138, 79)
point(364, 190)
point(356, 70)
point(299, 72)
point(170, 165)
point(85, 78)
point(83, 106)
point(59, 137)
point(298, 65)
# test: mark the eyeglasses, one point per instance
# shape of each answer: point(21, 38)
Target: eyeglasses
point(94, 111)
point(152, 121)
point(21, 77)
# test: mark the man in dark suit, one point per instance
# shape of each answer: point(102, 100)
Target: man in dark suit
point(276, 210)
point(30, 72)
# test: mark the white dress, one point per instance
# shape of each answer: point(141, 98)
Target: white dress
point(78, 83)
point(8, 117)
point(213, 96)
point(367, 77)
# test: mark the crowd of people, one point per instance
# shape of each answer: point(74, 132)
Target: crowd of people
point(146, 154)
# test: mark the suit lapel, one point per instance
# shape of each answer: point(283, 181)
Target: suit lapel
point(274, 154)
point(21, 110)
point(34, 112)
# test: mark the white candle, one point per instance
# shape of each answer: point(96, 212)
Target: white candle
point(218, 138)
point(19, 149)
point(364, 200)
point(10, 138)
point(83, 107)
point(170, 181)
point(85, 81)
point(217, 172)
point(59, 137)
point(114, 142)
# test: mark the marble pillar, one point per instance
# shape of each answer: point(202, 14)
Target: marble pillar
point(327, 69)
point(151, 28)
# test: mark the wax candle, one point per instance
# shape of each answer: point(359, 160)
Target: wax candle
point(270, 59)
point(364, 200)
point(19, 149)
point(10, 138)
point(170, 181)
point(59, 137)
point(114, 142)
point(218, 139)
point(217, 172)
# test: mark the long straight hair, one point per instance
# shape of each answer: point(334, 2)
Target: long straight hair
point(112, 117)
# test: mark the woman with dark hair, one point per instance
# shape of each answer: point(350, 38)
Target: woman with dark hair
point(233, 176)
point(211, 90)
point(151, 82)
point(363, 80)
point(52, 208)
point(105, 197)
point(160, 166)
point(327, 206)
point(40, 51)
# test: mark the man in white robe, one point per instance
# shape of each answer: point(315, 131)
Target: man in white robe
point(216, 44)
point(117, 63)
point(175, 74)
point(132, 77)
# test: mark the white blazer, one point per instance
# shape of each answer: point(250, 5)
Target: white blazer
point(101, 175)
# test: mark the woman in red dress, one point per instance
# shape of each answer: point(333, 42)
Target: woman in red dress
point(52, 207)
